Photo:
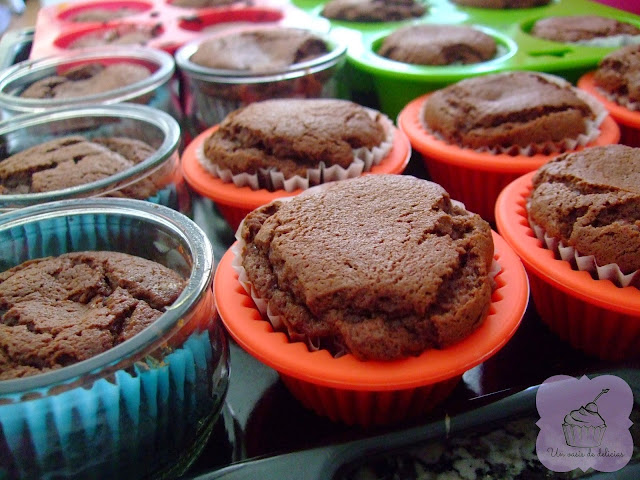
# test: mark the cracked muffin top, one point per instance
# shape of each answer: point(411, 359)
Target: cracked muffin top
point(292, 136)
point(119, 35)
point(512, 109)
point(56, 311)
point(502, 3)
point(263, 50)
point(590, 200)
point(104, 14)
point(373, 10)
point(618, 74)
point(70, 161)
point(380, 266)
point(87, 79)
point(431, 44)
point(575, 28)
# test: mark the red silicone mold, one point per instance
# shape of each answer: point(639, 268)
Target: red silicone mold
point(168, 26)
point(594, 316)
point(476, 178)
point(627, 120)
point(235, 202)
point(371, 393)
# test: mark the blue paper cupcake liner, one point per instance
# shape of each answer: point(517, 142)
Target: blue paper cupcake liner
point(137, 421)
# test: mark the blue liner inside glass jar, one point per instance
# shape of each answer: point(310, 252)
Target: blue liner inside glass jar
point(154, 91)
point(148, 404)
point(156, 128)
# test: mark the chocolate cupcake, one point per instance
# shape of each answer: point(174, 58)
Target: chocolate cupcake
point(381, 267)
point(102, 15)
point(61, 310)
point(586, 207)
point(373, 10)
point(121, 34)
point(207, 3)
point(87, 79)
point(73, 160)
point(431, 44)
point(296, 143)
point(502, 4)
point(516, 112)
point(262, 50)
point(232, 69)
point(586, 29)
point(123, 150)
point(114, 362)
point(617, 76)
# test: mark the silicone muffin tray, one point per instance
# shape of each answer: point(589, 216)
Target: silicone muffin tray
point(392, 84)
point(154, 23)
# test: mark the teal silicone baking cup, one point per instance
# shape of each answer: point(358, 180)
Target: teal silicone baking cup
point(144, 408)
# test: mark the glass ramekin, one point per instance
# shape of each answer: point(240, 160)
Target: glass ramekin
point(148, 124)
point(144, 408)
point(211, 94)
point(159, 90)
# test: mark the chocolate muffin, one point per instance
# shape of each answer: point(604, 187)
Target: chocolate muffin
point(73, 160)
point(103, 14)
point(580, 28)
point(118, 35)
point(618, 76)
point(373, 10)
point(262, 50)
point(590, 200)
point(294, 137)
point(56, 311)
point(207, 3)
point(502, 4)
point(381, 266)
point(87, 79)
point(507, 111)
point(431, 44)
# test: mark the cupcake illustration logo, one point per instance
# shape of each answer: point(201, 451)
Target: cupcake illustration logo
point(584, 427)
point(584, 423)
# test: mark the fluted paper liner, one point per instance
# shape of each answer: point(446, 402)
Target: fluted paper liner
point(581, 262)
point(363, 160)
point(277, 322)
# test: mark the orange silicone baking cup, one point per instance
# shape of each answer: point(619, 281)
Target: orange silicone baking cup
point(235, 202)
point(627, 120)
point(594, 316)
point(367, 393)
point(476, 178)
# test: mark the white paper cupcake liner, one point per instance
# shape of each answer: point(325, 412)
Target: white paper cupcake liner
point(613, 41)
point(586, 263)
point(622, 100)
point(547, 148)
point(363, 160)
point(277, 321)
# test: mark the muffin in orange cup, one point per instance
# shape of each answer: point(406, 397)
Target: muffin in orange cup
point(582, 296)
point(614, 85)
point(481, 133)
point(378, 338)
point(343, 140)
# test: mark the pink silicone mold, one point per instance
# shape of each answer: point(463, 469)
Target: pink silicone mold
point(152, 23)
